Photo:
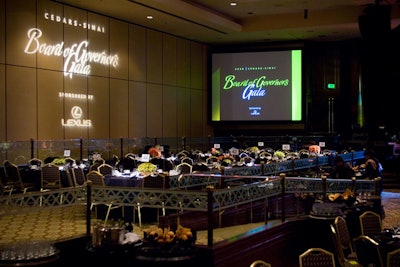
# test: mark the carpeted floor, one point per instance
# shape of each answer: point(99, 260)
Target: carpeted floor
point(59, 224)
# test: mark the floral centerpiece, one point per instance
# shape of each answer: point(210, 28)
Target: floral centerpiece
point(146, 168)
point(59, 161)
point(279, 155)
point(226, 160)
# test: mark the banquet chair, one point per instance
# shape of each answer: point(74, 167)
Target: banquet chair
point(393, 258)
point(187, 160)
point(35, 163)
point(13, 179)
point(343, 261)
point(78, 176)
point(200, 167)
point(320, 257)
point(95, 165)
point(129, 162)
point(260, 263)
point(211, 160)
point(370, 223)
point(184, 168)
point(97, 180)
point(345, 241)
point(153, 181)
point(246, 160)
point(50, 179)
point(368, 251)
point(105, 169)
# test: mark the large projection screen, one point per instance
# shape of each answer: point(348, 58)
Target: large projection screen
point(257, 86)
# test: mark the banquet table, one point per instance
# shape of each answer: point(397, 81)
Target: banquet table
point(124, 180)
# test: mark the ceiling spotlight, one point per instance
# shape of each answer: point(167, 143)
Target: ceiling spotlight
point(233, 4)
point(149, 17)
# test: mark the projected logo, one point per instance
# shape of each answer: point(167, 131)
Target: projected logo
point(76, 121)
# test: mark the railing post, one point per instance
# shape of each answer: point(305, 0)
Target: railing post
point(32, 149)
point(210, 215)
point(283, 176)
point(80, 149)
point(88, 205)
point(121, 149)
point(323, 177)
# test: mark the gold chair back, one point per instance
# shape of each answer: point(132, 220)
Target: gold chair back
point(317, 257)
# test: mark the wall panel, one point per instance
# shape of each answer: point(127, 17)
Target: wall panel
point(154, 110)
point(197, 69)
point(183, 63)
point(169, 110)
point(22, 107)
point(99, 42)
point(52, 34)
point(50, 105)
point(119, 34)
point(137, 110)
point(2, 31)
point(3, 103)
point(183, 112)
point(196, 114)
point(154, 56)
point(169, 60)
point(99, 107)
point(119, 108)
point(76, 86)
point(19, 20)
point(137, 53)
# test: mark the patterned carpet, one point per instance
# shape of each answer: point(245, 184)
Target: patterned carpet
point(59, 224)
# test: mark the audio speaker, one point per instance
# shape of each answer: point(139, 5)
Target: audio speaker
point(375, 23)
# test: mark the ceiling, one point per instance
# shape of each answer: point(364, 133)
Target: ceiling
point(250, 21)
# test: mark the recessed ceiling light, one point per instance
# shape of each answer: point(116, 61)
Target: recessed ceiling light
point(233, 4)
point(149, 17)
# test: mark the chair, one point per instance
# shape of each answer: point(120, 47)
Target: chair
point(97, 180)
point(211, 160)
point(13, 181)
point(343, 261)
point(35, 163)
point(187, 160)
point(152, 181)
point(95, 165)
point(200, 167)
point(50, 180)
point(368, 251)
point(345, 242)
point(246, 160)
point(260, 263)
point(78, 176)
point(314, 257)
point(370, 223)
point(105, 169)
point(393, 258)
point(184, 168)
point(129, 162)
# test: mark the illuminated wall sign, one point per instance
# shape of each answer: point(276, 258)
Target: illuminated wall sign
point(74, 22)
point(76, 121)
point(75, 96)
point(76, 56)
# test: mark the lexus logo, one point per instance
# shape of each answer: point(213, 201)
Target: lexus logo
point(76, 112)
